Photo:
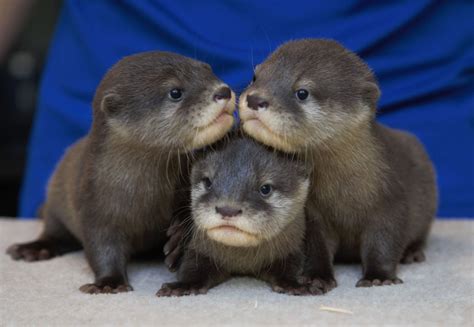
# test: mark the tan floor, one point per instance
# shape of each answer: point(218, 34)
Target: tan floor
point(439, 291)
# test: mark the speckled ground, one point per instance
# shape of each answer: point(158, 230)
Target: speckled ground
point(439, 291)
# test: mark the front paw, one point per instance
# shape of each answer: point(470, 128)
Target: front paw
point(325, 285)
point(173, 249)
point(107, 285)
point(369, 282)
point(32, 251)
point(295, 288)
point(181, 289)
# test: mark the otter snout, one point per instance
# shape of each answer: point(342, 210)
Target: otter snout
point(256, 102)
point(224, 93)
point(228, 212)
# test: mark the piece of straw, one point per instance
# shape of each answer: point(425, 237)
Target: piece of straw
point(331, 309)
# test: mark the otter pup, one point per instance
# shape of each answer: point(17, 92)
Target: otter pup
point(247, 206)
point(373, 187)
point(112, 193)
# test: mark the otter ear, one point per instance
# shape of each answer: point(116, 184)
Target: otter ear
point(110, 103)
point(371, 94)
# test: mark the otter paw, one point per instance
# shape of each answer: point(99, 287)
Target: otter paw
point(296, 288)
point(107, 285)
point(413, 256)
point(365, 282)
point(181, 289)
point(173, 253)
point(33, 251)
point(173, 248)
point(105, 289)
point(322, 284)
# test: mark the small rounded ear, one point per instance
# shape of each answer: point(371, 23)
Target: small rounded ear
point(110, 103)
point(371, 94)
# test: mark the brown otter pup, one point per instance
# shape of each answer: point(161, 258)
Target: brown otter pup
point(248, 219)
point(113, 191)
point(373, 187)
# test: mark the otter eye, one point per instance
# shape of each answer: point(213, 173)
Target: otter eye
point(176, 94)
point(254, 78)
point(302, 94)
point(265, 190)
point(207, 183)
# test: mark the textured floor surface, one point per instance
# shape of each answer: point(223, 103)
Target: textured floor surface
point(439, 291)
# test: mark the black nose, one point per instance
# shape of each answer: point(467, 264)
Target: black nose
point(255, 102)
point(228, 212)
point(223, 93)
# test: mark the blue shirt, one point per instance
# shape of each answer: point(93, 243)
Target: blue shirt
point(421, 51)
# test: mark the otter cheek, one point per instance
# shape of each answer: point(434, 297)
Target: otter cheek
point(203, 216)
point(119, 128)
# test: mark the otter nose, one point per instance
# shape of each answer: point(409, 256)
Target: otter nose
point(255, 102)
point(222, 93)
point(228, 212)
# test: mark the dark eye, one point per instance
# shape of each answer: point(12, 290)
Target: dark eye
point(254, 78)
point(302, 94)
point(176, 94)
point(207, 183)
point(265, 190)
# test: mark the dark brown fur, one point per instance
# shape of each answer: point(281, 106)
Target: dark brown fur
point(374, 189)
point(115, 190)
point(276, 253)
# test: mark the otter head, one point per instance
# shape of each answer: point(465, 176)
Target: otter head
point(306, 93)
point(246, 194)
point(166, 100)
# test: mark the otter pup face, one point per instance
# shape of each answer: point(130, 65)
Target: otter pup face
point(167, 100)
point(246, 194)
point(308, 92)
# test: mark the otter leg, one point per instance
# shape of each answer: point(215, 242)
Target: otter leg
point(107, 252)
point(381, 251)
point(318, 268)
point(283, 277)
point(55, 240)
point(196, 275)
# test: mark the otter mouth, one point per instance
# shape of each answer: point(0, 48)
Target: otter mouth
point(260, 123)
point(257, 128)
point(220, 118)
point(229, 229)
point(215, 128)
point(233, 236)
